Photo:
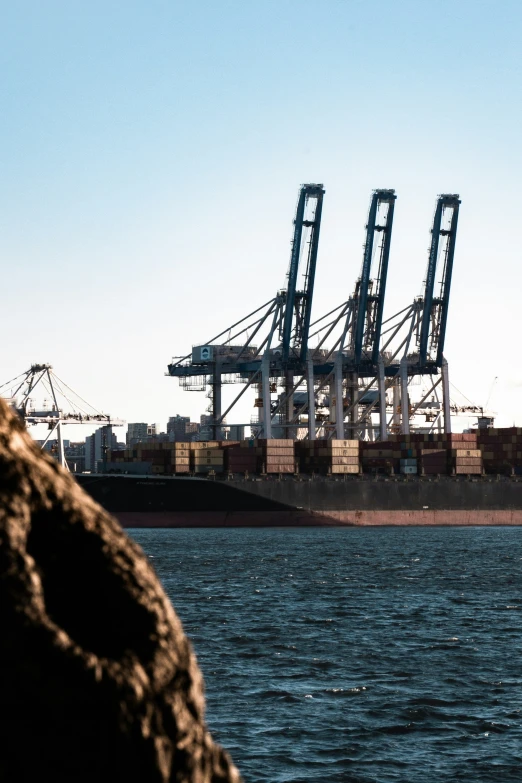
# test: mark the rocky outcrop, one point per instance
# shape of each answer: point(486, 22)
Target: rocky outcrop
point(96, 675)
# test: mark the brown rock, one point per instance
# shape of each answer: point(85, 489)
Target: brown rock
point(96, 675)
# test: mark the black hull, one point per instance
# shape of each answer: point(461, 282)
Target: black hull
point(194, 502)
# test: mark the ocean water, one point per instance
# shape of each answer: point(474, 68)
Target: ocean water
point(355, 654)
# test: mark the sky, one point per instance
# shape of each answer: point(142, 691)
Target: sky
point(152, 154)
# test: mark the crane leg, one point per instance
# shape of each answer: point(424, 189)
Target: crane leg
point(405, 408)
point(265, 383)
point(353, 396)
point(382, 402)
point(446, 397)
point(311, 400)
point(216, 403)
point(396, 421)
point(289, 405)
point(338, 384)
point(61, 450)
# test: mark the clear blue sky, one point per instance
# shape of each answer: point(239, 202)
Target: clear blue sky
point(152, 153)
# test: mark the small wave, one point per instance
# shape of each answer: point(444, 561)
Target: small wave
point(347, 691)
point(274, 693)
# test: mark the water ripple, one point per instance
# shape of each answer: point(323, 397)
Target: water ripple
point(355, 655)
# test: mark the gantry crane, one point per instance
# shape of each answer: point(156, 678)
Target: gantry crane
point(354, 325)
point(363, 347)
point(413, 341)
point(282, 325)
point(66, 407)
point(414, 337)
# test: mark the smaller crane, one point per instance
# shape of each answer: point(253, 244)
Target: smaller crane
point(79, 412)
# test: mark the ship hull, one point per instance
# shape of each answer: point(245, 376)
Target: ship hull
point(296, 502)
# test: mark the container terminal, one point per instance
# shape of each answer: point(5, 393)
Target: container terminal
point(336, 436)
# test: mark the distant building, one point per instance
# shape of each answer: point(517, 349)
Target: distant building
point(180, 428)
point(52, 445)
point(235, 432)
point(177, 425)
point(139, 432)
point(75, 457)
point(95, 445)
point(206, 428)
point(74, 453)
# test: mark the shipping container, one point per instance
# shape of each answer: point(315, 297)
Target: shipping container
point(282, 451)
point(344, 461)
point(334, 469)
point(338, 452)
point(342, 444)
point(280, 469)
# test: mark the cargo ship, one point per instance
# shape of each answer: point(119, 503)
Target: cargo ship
point(273, 501)
point(439, 479)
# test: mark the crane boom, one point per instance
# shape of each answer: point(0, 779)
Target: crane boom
point(369, 295)
point(298, 304)
point(435, 306)
point(306, 296)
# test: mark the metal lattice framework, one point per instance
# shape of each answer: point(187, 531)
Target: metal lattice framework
point(66, 406)
point(359, 358)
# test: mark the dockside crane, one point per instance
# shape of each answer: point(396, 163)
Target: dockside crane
point(415, 336)
point(408, 344)
point(359, 356)
point(66, 406)
point(371, 289)
point(435, 305)
point(281, 325)
point(355, 325)
point(298, 304)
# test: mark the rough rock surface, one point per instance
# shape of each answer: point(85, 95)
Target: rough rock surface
point(97, 678)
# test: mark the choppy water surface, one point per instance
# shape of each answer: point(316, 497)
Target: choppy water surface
point(385, 654)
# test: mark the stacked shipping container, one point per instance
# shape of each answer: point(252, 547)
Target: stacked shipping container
point(455, 454)
point(243, 457)
point(426, 454)
point(501, 449)
point(328, 456)
point(467, 461)
point(206, 457)
point(380, 456)
point(278, 455)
